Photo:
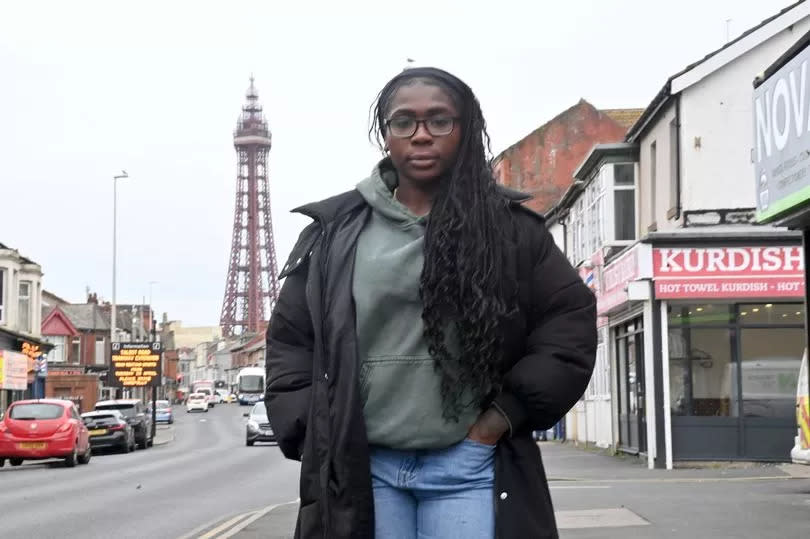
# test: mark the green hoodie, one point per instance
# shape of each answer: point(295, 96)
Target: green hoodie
point(399, 384)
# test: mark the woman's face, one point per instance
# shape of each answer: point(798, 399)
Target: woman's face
point(423, 157)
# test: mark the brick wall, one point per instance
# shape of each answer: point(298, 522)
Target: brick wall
point(542, 164)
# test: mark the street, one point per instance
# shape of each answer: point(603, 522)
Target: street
point(205, 475)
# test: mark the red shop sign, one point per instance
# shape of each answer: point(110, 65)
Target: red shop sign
point(728, 272)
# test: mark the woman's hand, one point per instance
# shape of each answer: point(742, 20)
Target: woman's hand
point(489, 427)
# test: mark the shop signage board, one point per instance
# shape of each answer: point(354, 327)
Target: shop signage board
point(136, 364)
point(630, 266)
point(13, 370)
point(781, 152)
point(728, 272)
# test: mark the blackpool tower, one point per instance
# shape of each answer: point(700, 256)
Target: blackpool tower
point(252, 288)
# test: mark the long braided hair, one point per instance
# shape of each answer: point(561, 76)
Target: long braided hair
point(462, 279)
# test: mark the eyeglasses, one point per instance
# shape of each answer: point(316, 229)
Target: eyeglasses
point(405, 126)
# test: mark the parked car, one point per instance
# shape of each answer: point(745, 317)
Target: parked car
point(216, 397)
point(136, 414)
point(197, 401)
point(43, 429)
point(258, 426)
point(109, 429)
point(163, 413)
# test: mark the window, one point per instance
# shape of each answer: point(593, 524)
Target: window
point(100, 351)
point(24, 307)
point(653, 181)
point(2, 297)
point(674, 201)
point(76, 350)
point(57, 354)
point(624, 201)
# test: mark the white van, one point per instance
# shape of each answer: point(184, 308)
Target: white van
point(800, 454)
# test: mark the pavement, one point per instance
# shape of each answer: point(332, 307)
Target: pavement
point(164, 434)
point(598, 495)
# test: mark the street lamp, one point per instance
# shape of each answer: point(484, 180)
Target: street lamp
point(151, 307)
point(113, 321)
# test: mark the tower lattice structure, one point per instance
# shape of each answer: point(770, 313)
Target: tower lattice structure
point(252, 287)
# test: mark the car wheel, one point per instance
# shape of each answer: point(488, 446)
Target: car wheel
point(206, 410)
point(127, 447)
point(249, 442)
point(2, 462)
point(143, 444)
point(70, 460)
point(150, 442)
point(85, 459)
point(15, 462)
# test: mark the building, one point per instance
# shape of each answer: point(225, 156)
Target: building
point(541, 164)
point(701, 310)
point(21, 346)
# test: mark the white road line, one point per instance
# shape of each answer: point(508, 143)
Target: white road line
point(225, 525)
point(256, 516)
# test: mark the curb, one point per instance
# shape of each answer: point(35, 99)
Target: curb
point(168, 439)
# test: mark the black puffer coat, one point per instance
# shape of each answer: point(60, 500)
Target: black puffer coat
point(313, 396)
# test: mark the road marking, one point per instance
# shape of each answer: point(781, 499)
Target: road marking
point(203, 420)
point(225, 526)
point(677, 479)
point(256, 516)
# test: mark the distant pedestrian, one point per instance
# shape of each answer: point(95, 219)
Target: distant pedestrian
point(427, 325)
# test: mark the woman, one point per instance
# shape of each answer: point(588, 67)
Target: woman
point(426, 326)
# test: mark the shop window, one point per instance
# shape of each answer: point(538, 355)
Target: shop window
point(701, 371)
point(781, 314)
point(771, 358)
point(653, 181)
point(24, 307)
point(701, 314)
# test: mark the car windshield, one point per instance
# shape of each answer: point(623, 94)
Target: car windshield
point(259, 409)
point(163, 405)
point(128, 410)
point(36, 411)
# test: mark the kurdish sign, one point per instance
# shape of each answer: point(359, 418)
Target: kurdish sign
point(136, 364)
point(728, 272)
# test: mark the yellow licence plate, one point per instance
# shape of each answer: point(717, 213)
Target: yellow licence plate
point(32, 445)
point(98, 432)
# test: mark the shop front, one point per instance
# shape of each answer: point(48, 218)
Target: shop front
point(22, 372)
point(734, 319)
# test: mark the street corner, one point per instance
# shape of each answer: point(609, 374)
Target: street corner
point(164, 434)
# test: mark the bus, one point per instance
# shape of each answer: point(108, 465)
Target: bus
point(800, 454)
point(250, 385)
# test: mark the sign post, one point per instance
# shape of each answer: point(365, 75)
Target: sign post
point(138, 364)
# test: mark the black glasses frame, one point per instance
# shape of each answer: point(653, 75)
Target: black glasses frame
point(424, 121)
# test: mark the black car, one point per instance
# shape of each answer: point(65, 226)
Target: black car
point(136, 415)
point(258, 427)
point(109, 429)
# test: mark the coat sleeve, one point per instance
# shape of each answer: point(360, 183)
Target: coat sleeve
point(289, 353)
point(561, 346)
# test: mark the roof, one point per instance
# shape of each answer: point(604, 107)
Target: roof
point(791, 53)
point(87, 316)
point(23, 259)
point(601, 151)
point(95, 413)
point(667, 92)
point(624, 117)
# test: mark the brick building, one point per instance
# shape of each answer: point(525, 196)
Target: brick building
point(542, 163)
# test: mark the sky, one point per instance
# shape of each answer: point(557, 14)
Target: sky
point(154, 87)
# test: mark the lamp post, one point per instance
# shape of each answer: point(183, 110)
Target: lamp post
point(113, 321)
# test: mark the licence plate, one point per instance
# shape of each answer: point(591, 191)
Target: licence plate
point(32, 445)
point(98, 432)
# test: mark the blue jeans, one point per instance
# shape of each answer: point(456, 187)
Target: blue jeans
point(434, 494)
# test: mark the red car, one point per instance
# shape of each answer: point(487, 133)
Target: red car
point(43, 429)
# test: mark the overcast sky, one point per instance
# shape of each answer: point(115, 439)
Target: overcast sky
point(90, 88)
